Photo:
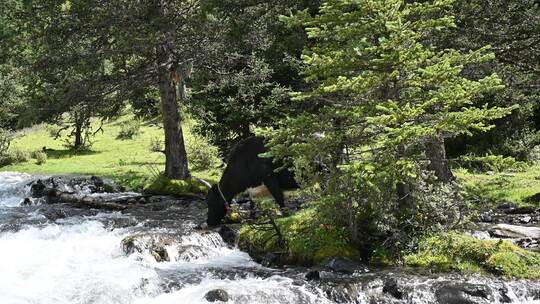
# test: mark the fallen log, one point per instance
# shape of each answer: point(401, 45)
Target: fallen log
point(55, 196)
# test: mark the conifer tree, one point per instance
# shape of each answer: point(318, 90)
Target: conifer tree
point(387, 98)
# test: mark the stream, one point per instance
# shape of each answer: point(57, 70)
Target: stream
point(59, 253)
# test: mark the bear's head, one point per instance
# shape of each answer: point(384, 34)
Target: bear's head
point(216, 207)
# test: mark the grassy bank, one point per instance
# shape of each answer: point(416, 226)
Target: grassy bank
point(502, 186)
point(129, 161)
point(458, 252)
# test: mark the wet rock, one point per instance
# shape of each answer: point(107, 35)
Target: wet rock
point(486, 218)
point(506, 205)
point(342, 293)
point(97, 181)
point(514, 231)
point(528, 243)
point(37, 189)
point(503, 296)
point(54, 214)
point(269, 259)
point(525, 220)
point(313, 275)
point(160, 254)
point(534, 198)
point(217, 295)
point(189, 253)
point(460, 294)
point(26, 202)
point(154, 245)
point(228, 235)
point(341, 265)
point(521, 210)
point(391, 287)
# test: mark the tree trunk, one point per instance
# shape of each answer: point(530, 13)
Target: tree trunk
point(353, 228)
point(176, 163)
point(78, 132)
point(403, 188)
point(438, 163)
point(170, 76)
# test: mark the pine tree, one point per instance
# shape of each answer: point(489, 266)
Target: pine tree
point(384, 91)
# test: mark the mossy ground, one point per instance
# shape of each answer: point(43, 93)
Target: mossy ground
point(129, 162)
point(164, 186)
point(308, 239)
point(458, 252)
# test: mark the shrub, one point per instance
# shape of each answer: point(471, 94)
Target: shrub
point(129, 129)
point(455, 251)
point(13, 156)
point(18, 155)
point(308, 238)
point(40, 156)
point(497, 163)
point(157, 145)
point(5, 141)
point(201, 154)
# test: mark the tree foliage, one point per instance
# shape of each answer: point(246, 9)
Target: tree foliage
point(512, 28)
point(251, 88)
point(386, 90)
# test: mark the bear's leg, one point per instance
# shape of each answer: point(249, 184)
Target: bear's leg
point(271, 182)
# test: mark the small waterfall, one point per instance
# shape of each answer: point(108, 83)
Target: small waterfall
point(14, 188)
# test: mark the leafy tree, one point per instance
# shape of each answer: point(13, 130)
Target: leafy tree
point(108, 52)
point(388, 95)
point(11, 88)
point(251, 88)
point(513, 29)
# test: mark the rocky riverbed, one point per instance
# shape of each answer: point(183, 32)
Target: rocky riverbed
point(86, 242)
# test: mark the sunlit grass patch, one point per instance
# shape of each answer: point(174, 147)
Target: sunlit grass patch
point(503, 186)
point(458, 252)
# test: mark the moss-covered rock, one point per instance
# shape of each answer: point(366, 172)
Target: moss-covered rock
point(307, 240)
point(455, 251)
point(163, 186)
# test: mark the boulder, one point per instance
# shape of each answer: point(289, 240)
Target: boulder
point(154, 244)
point(461, 294)
point(521, 210)
point(525, 220)
point(228, 235)
point(514, 231)
point(506, 205)
point(391, 287)
point(38, 189)
point(313, 275)
point(341, 265)
point(217, 295)
point(270, 260)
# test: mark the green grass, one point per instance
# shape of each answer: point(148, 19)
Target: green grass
point(502, 186)
point(129, 162)
point(458, 252)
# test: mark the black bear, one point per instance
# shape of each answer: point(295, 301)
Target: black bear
point(246, 169)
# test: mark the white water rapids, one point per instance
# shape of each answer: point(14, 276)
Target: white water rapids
point(79, 259)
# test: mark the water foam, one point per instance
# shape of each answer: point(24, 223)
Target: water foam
point(13, 188)
point(80, 263)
